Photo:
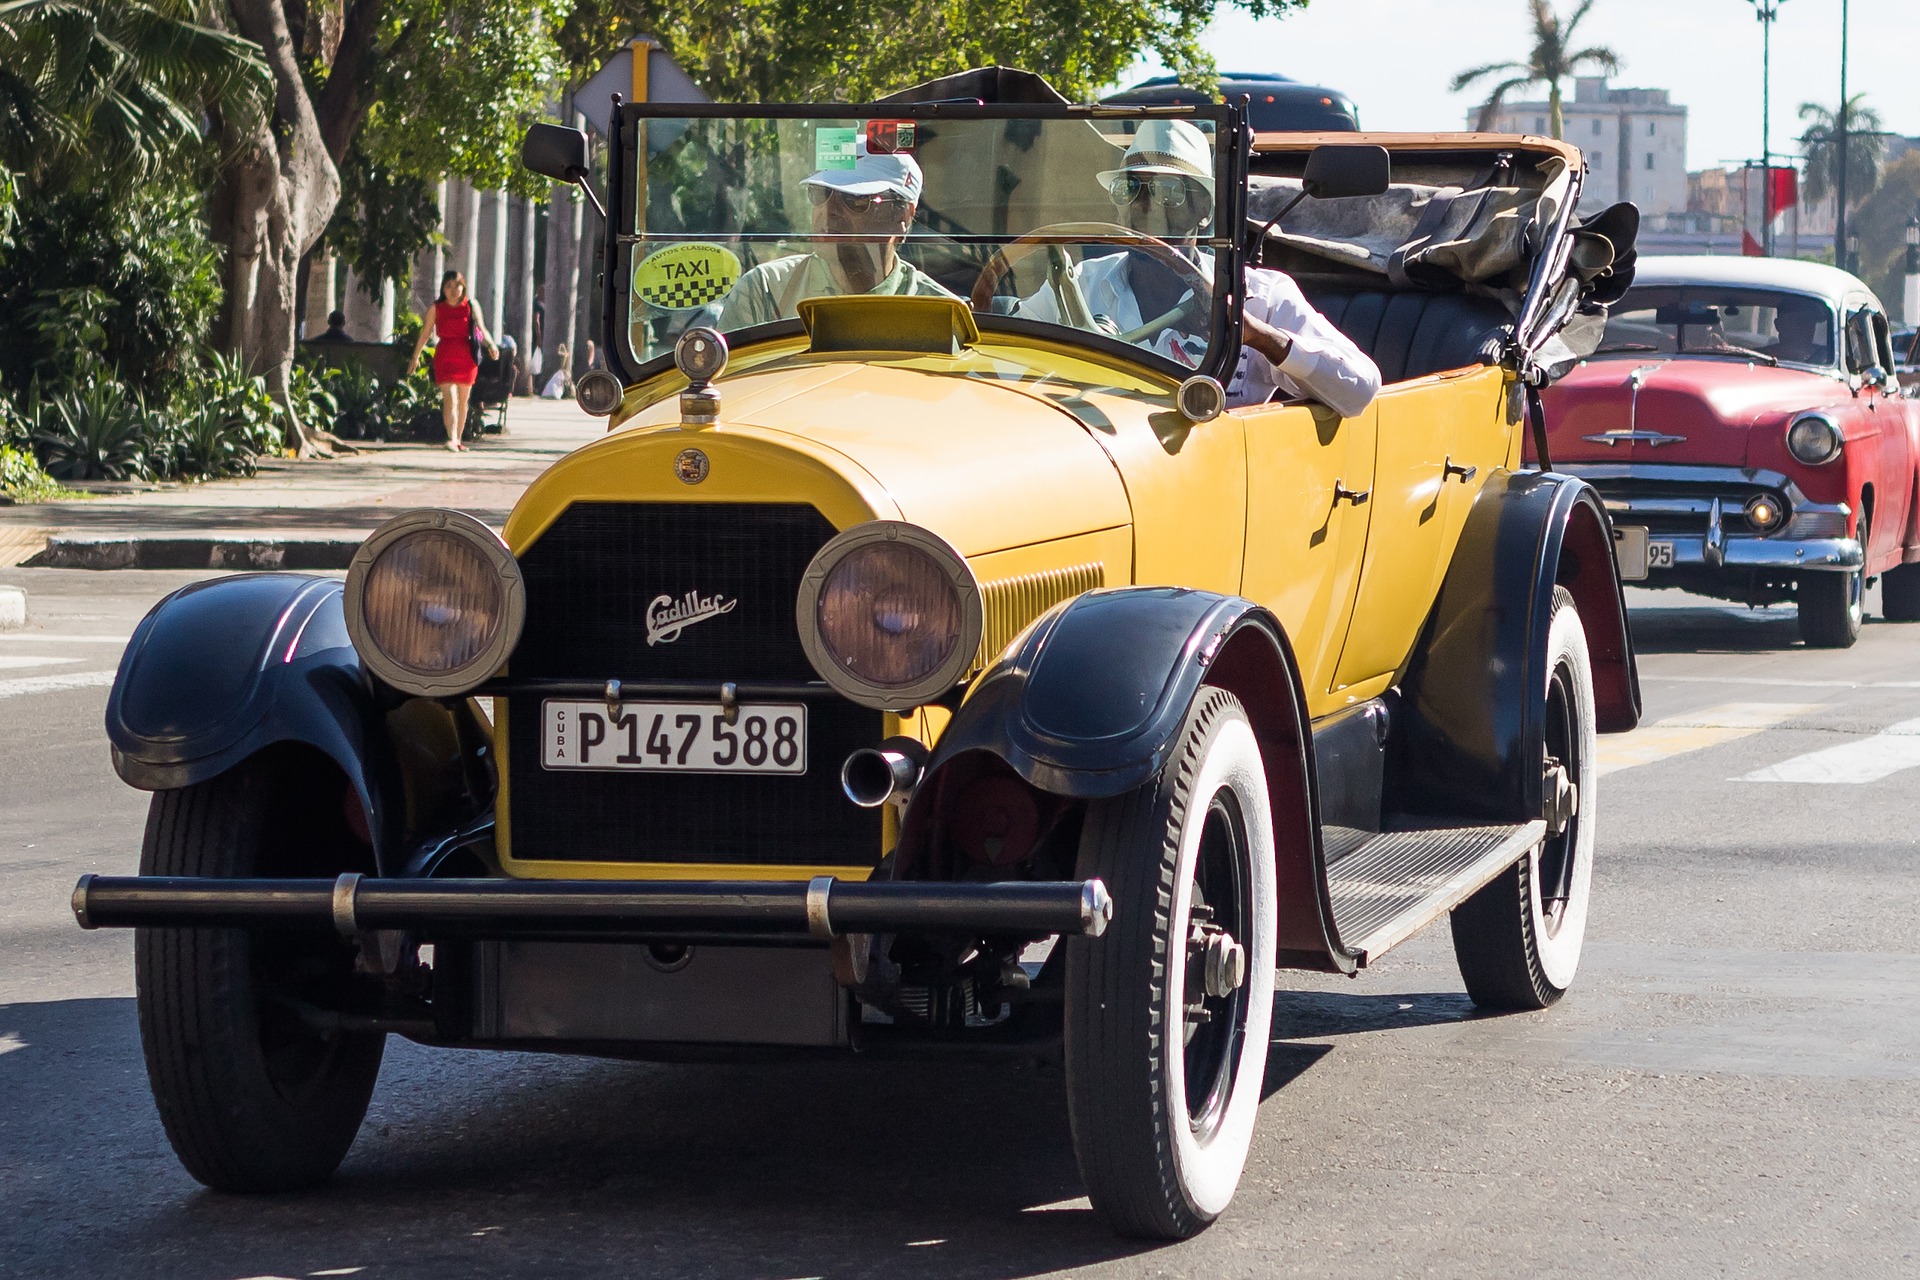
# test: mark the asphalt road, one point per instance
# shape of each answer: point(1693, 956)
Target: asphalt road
point(1733, 1087)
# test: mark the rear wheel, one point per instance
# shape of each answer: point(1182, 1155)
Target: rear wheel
point(1167, 1013)
point(1900, 593)
point(253, 1096)
point(1518, 939)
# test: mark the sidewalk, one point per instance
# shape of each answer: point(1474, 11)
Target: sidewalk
point(294, 514)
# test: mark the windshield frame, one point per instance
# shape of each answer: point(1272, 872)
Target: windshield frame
point(1232, 146)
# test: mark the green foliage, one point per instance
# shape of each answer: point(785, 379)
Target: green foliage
point(856, 50)
point(383, 220)
point(1551, 60)
point(23, 480)
point(1881, 224)
point(458, 85)
point(96, 432)
point(109, 93)
point(232, 420)
point(1866, 149)
point(96, 286)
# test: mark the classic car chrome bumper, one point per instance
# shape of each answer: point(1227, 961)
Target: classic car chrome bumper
point(739, 911)
point(1813, 535)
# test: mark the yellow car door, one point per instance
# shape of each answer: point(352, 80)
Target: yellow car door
point(1305, 531)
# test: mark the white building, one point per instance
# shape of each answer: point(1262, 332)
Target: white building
point(1634, 141)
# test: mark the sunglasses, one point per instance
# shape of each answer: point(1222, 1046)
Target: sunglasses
point(883, 201)
point(1167, 190)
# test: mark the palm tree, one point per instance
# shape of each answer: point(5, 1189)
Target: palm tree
point(104, 92)
point(1552, 60)
point(1866, 149)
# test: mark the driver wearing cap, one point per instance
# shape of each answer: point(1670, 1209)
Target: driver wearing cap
point(862, 214)
point(1165, 189)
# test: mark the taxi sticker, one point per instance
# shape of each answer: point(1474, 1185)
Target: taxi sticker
point(835, 148)
point(683, 277)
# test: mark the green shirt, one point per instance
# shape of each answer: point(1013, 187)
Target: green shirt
point(773, 290)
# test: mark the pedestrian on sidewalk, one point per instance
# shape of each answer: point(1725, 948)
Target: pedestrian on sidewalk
point(453, 321)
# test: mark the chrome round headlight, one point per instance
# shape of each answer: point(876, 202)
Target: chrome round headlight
point(599, 392)
point(1814, 438)
point(889, 615)
point(434, 602)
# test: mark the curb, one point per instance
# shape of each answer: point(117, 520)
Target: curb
point(194, 553)
point(13, 608)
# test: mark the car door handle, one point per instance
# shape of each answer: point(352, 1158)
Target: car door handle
point(1358, 497)
point(1454, 470)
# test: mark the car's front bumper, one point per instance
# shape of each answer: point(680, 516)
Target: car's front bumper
point(822, 908)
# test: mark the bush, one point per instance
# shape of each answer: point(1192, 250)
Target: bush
point(22, 480)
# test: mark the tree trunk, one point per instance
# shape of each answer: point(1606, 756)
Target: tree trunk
point(282, 188)
point(1554, 121)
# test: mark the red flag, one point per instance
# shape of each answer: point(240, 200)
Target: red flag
point(1783, 188)
point(1749, 247)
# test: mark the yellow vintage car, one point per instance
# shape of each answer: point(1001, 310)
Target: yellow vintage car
point(934, 653)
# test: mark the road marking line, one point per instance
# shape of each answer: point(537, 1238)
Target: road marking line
point(15, 661)
point(1788, 684)
point(1678, 735)
point(53, 684)
point(1864, 760)
point(49, 637)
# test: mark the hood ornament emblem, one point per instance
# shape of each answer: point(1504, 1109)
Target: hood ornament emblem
point(691, 466)
point(668, 617)
point(1654, 438)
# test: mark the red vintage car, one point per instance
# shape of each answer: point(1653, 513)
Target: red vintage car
point(1741, 420)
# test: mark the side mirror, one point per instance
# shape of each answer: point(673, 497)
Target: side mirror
point(1876, 377)
point(1340, 169)
point(555, 151)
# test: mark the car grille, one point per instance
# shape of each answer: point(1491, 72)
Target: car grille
point(1680, 507)
point(590, 579)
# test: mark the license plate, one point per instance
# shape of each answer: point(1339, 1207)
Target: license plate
point(1637, 555)
point(674, 737)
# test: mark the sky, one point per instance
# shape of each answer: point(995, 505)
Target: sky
point(1395, 59)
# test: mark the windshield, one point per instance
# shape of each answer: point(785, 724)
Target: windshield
point(1100, 228)
point(1787, 328)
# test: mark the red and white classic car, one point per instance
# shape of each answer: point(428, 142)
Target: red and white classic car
point(1741, 420)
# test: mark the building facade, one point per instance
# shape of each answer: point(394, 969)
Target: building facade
point(1634, 141)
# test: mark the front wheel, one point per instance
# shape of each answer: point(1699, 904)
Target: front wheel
point(1833, 605)
point(253, 1096)
point(1518, 939)
point(1167, 1013)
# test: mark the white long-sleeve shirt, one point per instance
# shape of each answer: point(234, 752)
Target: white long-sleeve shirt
point(1324, 364)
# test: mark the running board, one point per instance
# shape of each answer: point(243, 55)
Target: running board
point(1398, 882)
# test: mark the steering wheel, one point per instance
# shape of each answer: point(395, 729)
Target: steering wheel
point(1066, 290)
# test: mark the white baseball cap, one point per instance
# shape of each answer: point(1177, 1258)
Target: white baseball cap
point(871, 175)
point(1170, 147)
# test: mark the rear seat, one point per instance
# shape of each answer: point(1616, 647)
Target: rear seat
point(1413, 334)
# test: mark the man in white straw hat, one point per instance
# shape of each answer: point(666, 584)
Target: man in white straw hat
point(862, 207)
point(1165, 189)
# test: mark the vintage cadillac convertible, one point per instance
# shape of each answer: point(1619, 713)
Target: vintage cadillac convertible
point(905, 672)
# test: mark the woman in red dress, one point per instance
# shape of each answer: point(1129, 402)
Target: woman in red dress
point(453, 321)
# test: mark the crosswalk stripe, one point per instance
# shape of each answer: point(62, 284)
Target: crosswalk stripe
point(53, 684)
point(1862, 760)
point(1694, 731)
point(1784, 684)
point(15, 661)
point(52, 637)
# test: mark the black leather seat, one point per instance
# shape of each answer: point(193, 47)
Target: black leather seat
point(1413, 334)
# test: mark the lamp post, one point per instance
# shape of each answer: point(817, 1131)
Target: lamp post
point(1840, 128)
point(1910, 295)
point(1766, 11)
point(1852, 261)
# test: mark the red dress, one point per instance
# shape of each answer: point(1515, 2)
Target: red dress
point(453, 355)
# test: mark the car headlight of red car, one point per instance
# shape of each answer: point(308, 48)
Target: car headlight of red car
point(889, 615)
point(1813, 438)
point(434, 603)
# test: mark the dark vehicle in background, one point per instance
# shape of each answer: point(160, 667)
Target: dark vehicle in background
point(1275, 104)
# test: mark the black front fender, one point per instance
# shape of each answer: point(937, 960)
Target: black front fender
point(1088, 705)
point(1475, 689)
point(223, 669)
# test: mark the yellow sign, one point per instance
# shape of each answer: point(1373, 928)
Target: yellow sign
point(683, 277)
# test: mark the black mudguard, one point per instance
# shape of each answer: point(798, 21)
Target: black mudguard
point(1090, 705)
point(221, 670)
point(1471, 742)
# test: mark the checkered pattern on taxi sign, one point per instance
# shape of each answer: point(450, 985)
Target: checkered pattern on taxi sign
point(682, 277)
